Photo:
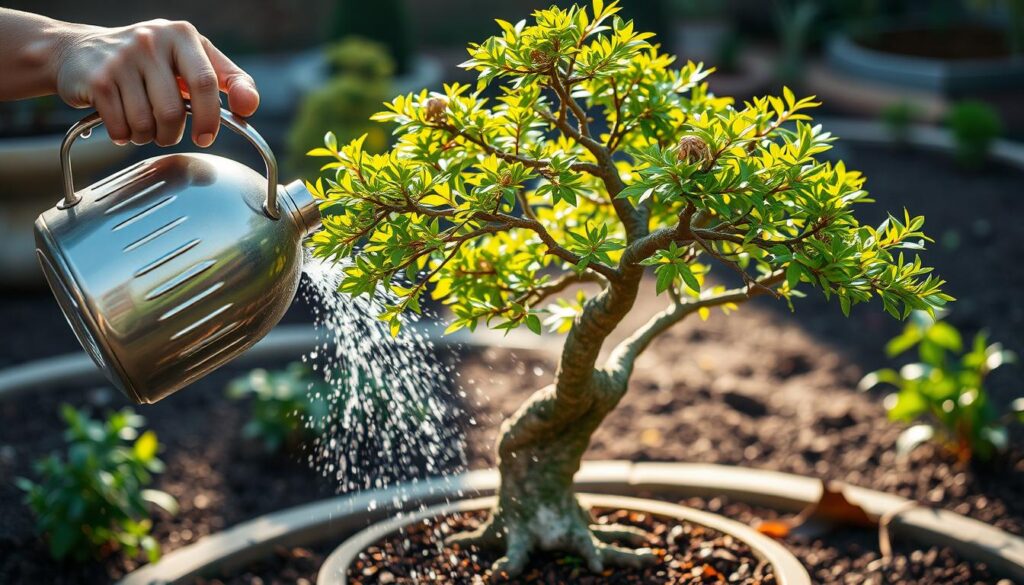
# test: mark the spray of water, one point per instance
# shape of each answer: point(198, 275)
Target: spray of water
point(394, 413)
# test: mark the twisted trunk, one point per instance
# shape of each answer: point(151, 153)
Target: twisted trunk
point(541, 446)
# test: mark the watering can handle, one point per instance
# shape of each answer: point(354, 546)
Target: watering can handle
point(235, 123)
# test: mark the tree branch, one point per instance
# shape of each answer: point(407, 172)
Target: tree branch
point(508, 156)
point(558, 285)
point(624, 356)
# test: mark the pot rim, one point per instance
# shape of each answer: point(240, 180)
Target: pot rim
point(787, 569)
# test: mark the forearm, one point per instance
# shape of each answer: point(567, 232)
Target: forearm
point(29, 45)
point(26, 43)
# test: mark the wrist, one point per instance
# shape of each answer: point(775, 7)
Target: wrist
point(60, 40)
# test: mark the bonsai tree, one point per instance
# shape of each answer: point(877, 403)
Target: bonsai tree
point(597, 163)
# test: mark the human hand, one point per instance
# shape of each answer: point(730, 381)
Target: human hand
point(137, 77)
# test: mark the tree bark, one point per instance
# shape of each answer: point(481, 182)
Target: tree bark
point(541, 446)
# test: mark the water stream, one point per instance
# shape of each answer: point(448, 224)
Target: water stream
point(394, 410)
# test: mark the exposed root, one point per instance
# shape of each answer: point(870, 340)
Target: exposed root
point(599, 556)
point(616, 556)
point(611, 533)
point(517, 553)
point(486, 536)
point(591, 542)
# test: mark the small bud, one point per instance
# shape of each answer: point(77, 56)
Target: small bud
point(693, 149)
point(540, 58)
point(436, 110)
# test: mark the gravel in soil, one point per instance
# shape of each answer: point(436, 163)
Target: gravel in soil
point(690, 553)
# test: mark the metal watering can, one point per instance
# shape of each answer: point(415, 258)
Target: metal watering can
point(172, 267)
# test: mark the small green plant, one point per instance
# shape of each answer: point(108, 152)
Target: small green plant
point(947, 388)
point(94, 499)
point(362, 81)
point(975, 125)
point(287, 405)
point(898, 117)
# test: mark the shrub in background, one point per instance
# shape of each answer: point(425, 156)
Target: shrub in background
point(946, 388)
point(94, 498)
point(975, 126)
point(897, 118)
point(361, 82)
point(500, 205)
point(383, 21)
point(287, 405)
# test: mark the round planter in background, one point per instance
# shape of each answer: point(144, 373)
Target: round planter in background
point(30, 183)
point(856, 78)
point(948, 77)
point(785, 566)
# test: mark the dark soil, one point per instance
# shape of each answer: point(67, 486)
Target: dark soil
point(952, 43)
point(761, 388)
point(218, 478)
point(690, 553)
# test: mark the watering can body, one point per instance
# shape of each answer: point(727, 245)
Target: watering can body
point(172, 267)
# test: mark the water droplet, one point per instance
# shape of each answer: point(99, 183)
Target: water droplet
point(395, 414)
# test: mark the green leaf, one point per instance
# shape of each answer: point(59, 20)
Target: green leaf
point(146, 446)
point(945, 335)
point(162, 499)
point(1017, 406)
point(666, 274)
point(913, 437)
point(533, 322)
point(910, 337)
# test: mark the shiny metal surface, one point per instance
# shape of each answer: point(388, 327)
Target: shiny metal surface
point(236, 123)
point(171, 267)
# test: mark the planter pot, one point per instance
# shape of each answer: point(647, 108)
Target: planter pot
point(862, 80)
point(787, 569)
point(944, 76)
point(338, 518)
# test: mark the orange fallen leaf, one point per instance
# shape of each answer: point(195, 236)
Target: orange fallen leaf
point(831, 510)
point(774, 528)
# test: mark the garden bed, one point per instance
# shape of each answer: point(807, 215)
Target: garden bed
point(756, 389)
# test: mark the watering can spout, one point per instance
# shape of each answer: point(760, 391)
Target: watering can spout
point(304, 207)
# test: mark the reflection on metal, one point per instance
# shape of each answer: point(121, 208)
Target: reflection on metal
point(155, 265)
point(134, 196)
point(155, 234)
point(167, 257)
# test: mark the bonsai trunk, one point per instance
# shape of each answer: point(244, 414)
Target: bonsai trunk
point(540, 449)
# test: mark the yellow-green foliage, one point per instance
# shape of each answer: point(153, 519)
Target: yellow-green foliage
point(497, 203)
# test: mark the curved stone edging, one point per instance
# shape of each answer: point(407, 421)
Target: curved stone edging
point(944, 76)
point(919, 135)
point(788, 570)
point(283, 341)
point(342, 516)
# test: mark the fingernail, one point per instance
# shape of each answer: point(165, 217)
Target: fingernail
point(120, 142)
point(204, 140)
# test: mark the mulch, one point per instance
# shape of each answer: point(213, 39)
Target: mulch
point(690, 554)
